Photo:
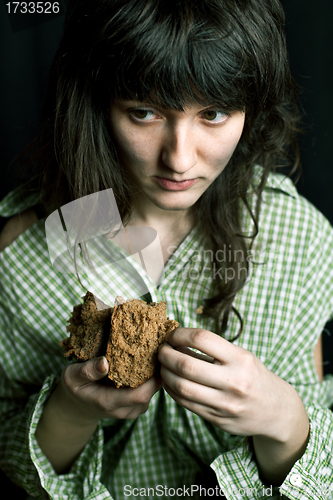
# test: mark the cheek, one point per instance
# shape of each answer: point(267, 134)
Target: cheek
point(133, 149)
point(232, 145)
point(220, 154)
point(227, 144)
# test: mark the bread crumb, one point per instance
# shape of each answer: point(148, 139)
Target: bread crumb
point(199, 310)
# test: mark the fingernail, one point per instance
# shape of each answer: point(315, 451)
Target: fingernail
point(101, 364)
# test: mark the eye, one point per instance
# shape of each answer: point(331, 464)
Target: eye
point(142, 114)
point(215, 116)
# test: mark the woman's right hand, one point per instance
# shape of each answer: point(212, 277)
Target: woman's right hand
point(80, 400)
point(88, 398)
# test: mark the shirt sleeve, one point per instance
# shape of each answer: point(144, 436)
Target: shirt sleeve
point(83, 481)
point(309, 479)
point(30, 366)
point(25, 463)
point(14, 203)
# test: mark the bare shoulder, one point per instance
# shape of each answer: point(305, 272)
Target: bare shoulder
point(16, 226)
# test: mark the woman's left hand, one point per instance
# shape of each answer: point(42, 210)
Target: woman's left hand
point(232, 389)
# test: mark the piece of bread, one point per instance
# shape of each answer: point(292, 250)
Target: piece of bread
point(129, 336)
point(88, 328)
point(137, 331)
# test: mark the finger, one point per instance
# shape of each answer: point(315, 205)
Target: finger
point(138, 399)
point(84, 373)
point(195, 354)
point(218, 417)
point(151, 386)
point(189, 393)
point(207, 342)
point(189, 367)
point(118, 403)
point(198, 408)
point(140, 395)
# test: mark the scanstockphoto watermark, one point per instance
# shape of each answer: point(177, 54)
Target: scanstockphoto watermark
point(323, 491)
point(164, 491)
point(194, 490)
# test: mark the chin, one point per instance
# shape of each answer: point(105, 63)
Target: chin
point(182, 204)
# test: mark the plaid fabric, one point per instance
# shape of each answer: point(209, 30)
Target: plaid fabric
point(285, 304)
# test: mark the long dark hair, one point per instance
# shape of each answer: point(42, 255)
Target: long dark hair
point(228, 53)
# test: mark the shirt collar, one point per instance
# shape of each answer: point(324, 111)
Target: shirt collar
point(275, 181)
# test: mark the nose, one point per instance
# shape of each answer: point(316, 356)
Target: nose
point(180, 148)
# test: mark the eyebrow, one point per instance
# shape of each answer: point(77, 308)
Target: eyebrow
point(147, 104)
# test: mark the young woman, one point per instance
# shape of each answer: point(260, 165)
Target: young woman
point(186, 111)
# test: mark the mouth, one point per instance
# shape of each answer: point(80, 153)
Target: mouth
point(171, 185)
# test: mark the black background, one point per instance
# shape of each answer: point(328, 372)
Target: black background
point(29, 42)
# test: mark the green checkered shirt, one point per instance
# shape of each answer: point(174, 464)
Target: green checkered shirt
point(285, 304)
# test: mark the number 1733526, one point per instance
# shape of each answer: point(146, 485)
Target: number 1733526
point(33, 7)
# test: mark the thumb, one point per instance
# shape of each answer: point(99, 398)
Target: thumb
point(89, 371)
point(101, 366)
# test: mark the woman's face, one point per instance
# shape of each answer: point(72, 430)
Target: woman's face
point(173, 156)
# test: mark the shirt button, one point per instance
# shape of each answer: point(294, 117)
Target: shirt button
point(296, 480)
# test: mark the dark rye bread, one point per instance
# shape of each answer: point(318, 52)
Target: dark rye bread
point(137, 331)
point(129, 336)
point(88, 328)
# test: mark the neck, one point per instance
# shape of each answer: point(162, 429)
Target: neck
point(172, 226)
point(163, 221)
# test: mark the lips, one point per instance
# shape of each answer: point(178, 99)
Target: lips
point(171, 185)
